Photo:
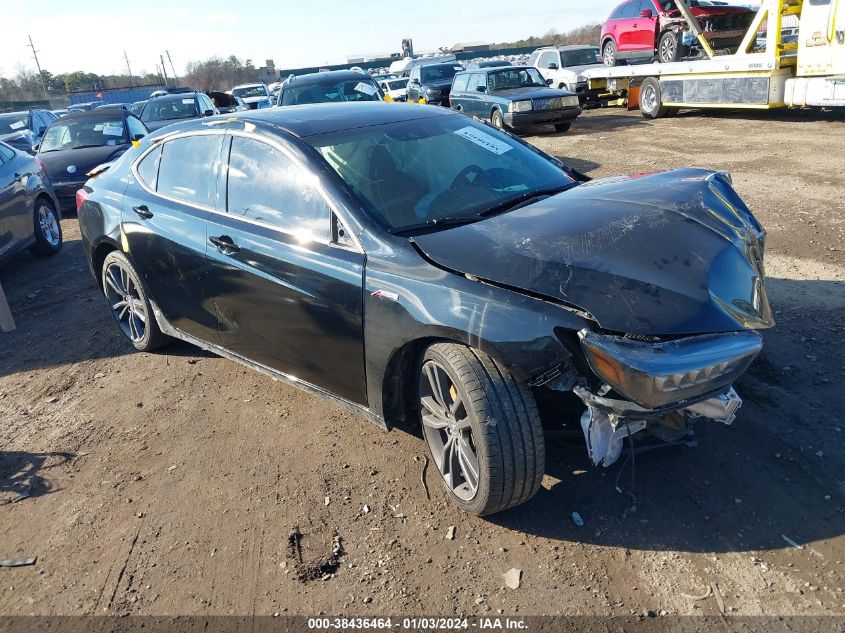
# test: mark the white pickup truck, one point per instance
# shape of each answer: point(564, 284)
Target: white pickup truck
point(564, 65)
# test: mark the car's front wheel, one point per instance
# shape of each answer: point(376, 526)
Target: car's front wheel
point(608, 53)
point(129, 304)
point(670, 49)
point(497, 120)
point(482, 428)
point(48, 229)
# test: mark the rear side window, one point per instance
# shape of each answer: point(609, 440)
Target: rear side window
point(627, 10)
point(475, 80)
point(266, 185)
point(6, 154)
point(460, 83)
point(148, 168)
point(187, 169)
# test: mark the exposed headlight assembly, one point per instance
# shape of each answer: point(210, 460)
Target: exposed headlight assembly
point(654, 375)
point(522, 106)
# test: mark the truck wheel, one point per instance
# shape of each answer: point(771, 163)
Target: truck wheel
point(608, 53)
point(651, 104)
point(482, 428)
point(670, 49)
point(497, 120)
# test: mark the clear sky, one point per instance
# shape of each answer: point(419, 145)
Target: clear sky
point(91, 35)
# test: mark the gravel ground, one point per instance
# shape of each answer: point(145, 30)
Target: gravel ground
point(171, 483)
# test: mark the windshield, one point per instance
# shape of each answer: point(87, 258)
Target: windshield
point(163, 109)
point(581, 57)
point(436, 73)
point(13, 123)
point(335, 91)
point(397, 84)
point(515, 78)
point(87, 132)
point(250, 91)
point(443, 167)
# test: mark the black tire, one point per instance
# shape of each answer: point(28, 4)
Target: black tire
point(496, 417)
point(609, 54)
point(563, 127)
point(651, 99)
point(669, 48)
point(117, 286)
point(497, 120)
point(47, 228)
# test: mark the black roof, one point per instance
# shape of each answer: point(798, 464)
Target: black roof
point(318, 78)
point(320, 118)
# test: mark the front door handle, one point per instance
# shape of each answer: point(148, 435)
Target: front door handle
point(225, 244)
point(142, 212)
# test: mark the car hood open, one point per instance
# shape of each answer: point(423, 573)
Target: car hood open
point(669, 253)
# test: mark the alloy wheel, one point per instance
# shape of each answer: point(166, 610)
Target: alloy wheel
point(649, 98)
point(609, 55)
point(447, 429)
point(127, 304)
point(49, 225)
point(668, 46)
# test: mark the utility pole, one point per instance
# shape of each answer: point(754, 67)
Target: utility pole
point(164, 70)
point(171, 67)
point(38, 65)
point(131, 78)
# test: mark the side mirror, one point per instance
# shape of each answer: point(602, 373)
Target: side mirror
point(208, 113)
point(481, 88)
point(647, 13)
point(549, 82)
point(553, 66)
point(415, 82)
point(138, 137)
point(35, 148)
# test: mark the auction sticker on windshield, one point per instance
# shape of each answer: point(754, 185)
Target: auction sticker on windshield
point(17, 125)
point(365, 88)
point(113, 129)
point(187, 101)
point(490, 143)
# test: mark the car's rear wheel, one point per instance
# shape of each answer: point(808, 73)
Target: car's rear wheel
point(669, 48)
point(48, 229)
point(497, 119)
point(482, 428)
point(651, 99)
point(129, 304)
point(608, 53)
point(563, 127)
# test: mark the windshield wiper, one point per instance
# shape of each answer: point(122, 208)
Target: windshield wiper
point(433, 223)
point(522, 199)
point(87, 146)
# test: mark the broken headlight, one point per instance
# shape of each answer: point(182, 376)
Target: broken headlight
point(656, 374)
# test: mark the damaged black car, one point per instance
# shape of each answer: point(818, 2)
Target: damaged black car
point(419, 266)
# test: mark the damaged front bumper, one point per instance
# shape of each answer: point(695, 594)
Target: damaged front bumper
point(664, 386)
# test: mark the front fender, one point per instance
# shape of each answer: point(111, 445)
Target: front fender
point(429, 303)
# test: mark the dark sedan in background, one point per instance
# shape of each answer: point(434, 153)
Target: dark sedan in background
point(515, 97)
point(171, 108)
point(22, 130)
point(336, 86)
point(77, 143)
point(29, 215)
point(417, 264)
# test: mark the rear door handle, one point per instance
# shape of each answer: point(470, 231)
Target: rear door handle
point(225, 244)
point(142, 212)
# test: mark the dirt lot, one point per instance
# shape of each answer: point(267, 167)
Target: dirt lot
point(170, 483)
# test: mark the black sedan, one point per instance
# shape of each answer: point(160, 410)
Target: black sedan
point(172, 108)
point(29, 212)
point(77, 143)
point(416, 264)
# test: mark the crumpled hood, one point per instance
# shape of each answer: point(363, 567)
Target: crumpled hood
point(21, 139)
point(80, 160)
point(669, 253)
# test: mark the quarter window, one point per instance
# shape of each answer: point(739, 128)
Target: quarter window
point(266, 185)
point(187, 170)
point(148, 168)
point(460, 83)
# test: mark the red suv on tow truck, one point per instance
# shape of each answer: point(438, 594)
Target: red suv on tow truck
point(645, 29)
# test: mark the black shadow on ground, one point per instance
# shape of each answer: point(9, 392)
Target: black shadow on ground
point(21, 474)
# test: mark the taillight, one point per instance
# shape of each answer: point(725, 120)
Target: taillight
point(81, 197)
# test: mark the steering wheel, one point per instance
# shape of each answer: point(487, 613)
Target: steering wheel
point(463, 176)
